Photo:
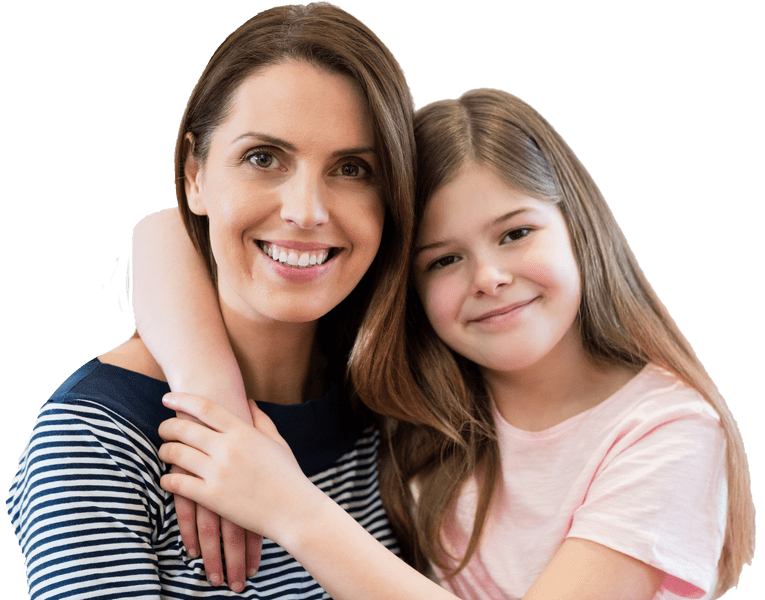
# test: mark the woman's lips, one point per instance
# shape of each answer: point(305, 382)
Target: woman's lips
point(297, 255)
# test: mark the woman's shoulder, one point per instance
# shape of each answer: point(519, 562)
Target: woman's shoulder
point(133, 355)
point(124, 386)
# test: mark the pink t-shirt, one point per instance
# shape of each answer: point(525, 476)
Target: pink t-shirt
point(643, 473)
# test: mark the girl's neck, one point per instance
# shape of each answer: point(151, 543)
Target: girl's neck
point(564, 383)
point(279, 361)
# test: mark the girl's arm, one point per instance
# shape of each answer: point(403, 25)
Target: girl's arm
point(177, 313)
point(178, 318)
point(273, 496)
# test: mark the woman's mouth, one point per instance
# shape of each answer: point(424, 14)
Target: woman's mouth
point(297, 259)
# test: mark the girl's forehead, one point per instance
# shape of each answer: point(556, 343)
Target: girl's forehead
point(477, 195)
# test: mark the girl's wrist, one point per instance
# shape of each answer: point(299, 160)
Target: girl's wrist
point(303, 529)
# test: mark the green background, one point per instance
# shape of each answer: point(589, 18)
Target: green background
point(661, 102)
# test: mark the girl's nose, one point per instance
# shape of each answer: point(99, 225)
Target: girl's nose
point(489, 278)
point(304, 202)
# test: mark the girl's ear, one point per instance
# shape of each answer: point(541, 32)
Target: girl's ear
point(192, 171)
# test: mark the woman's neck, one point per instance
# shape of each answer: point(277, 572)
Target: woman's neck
point(564, 383)
point(279, 361)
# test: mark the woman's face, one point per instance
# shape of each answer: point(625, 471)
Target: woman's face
point(291, 190)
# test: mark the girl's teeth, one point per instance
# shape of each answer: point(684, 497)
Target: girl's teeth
point(294, 259)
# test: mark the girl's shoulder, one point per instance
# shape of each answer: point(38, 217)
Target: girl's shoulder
point(656, 394)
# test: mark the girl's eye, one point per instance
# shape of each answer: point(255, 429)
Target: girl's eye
point(354, 170)
point(516, 234)
point(263, 159)
point(442, 262)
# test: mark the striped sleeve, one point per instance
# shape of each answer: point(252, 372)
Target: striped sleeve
point(84, 506)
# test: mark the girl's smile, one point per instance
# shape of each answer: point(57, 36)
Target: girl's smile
point(496, 272)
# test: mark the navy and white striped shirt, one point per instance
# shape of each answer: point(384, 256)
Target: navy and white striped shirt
point(93, 521)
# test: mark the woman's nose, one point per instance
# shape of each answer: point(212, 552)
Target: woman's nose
point(304, 201)
point(489, 278)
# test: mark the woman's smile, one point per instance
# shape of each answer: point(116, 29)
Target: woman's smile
point(291, 190)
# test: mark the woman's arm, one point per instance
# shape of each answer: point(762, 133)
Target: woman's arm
point(86, 506)
point(272, 496)
point(178, 318)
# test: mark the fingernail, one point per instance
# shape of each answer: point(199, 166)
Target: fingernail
point(215, 580)
point(169, 400)
point(237, 586)
point(252, 572)
point(193, 553)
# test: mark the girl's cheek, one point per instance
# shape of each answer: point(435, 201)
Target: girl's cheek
point(441, 304)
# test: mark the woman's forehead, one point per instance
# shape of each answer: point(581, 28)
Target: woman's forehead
point(303, 105)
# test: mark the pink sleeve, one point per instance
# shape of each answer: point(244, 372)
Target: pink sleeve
point(660, 495)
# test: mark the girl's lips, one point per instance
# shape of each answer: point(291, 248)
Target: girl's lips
point(492, 315)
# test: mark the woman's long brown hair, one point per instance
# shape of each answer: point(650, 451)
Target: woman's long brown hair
point(441, 428)
point(329, 38)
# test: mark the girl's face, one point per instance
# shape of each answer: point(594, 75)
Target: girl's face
point(291, 191)
point(495, 271)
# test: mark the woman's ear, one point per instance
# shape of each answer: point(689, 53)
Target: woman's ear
point(192, 171)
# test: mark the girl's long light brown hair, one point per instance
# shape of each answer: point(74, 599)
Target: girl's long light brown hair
point(442, 430)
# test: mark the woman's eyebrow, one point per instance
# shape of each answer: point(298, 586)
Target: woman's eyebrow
point(275, 141)
point(355, 150)
point(492, 223)
point(267, 139)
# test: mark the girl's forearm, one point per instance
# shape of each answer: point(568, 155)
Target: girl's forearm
point(178, 316)
point(349, 562)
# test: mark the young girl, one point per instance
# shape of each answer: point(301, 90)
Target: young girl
point(563, 440)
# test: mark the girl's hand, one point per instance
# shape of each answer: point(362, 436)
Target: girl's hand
point(247, 475)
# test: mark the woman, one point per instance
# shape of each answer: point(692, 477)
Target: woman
point(292, 139)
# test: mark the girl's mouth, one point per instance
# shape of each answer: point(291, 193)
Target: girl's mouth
point(297, 259)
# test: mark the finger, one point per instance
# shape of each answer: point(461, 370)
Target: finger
point(254, 543)
point(263, 423)
point(181, 484)
point(234, 553)
point(208, 526)
point(206, 411)
point(191, 433)
point(185, 511)
point(187, 458)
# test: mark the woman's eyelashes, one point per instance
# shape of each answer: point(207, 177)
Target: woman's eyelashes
point(262, 159)
point(266, 159)
point(355, 169)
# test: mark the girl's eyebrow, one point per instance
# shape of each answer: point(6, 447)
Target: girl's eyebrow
point(493, 223)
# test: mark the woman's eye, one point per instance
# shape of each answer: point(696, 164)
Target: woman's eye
point(442, 262)
point(353, 170)
point(516, 234)
point(263, 159)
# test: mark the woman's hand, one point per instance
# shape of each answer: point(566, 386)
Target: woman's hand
point(201, 528)
point(245, 474)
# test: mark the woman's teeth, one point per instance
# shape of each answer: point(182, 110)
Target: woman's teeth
point(294, 258)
